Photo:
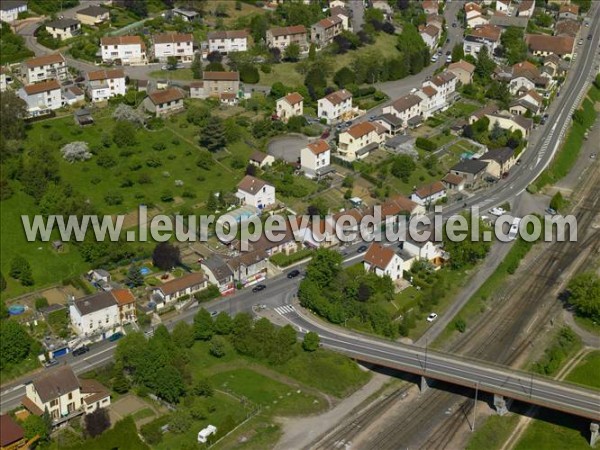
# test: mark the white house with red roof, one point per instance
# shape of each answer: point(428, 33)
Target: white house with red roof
point(429, 194)
point(291, 105)
point(335, 106)
point(383, 261)
point(255, 192)
point(315, 159)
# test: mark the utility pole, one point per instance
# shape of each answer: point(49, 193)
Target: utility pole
point(426, 345)
point(475, 405)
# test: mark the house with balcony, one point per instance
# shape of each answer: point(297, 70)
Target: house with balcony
point(315, 159)
point(41, 98)
point(219, 274)
point(335, 106)
point(173, 290)
point(291, 105)
point(93, 15)
point(392, 124)
point(383, 261)
point(179, 45)
point(445, 84)
point(216, 83)
point(510, 122)
point(323, 32)
point(482, 36)
point(96, 314)
point(431, 35)
point(63, 395)
point(225, 42)
point(105, 84)
point(47, 67)
point(63, 28)
point(344, 14)
point(255, 192)
point(359, 140)
point(407, 108)
point(165, 102)
point(127, 49)
point(282, 37)
point(528, 101)
point(126, 305)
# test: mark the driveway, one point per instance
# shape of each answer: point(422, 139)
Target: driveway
point(287, 147)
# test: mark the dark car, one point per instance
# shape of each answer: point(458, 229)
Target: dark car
point(115, 337)
point(293, 274)
point(325, 134)
point(259, 287)
point(362, 249)
point(348, 123)
point(453, 24)
point(81, 350)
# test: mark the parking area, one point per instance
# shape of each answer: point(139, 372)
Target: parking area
point(287, 147)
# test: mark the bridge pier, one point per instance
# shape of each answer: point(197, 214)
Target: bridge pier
point(500, 405)
point(424, 384)
point(594, 433)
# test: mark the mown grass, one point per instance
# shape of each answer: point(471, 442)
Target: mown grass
point(587, 371)
point(492, 434)
point(122, 435)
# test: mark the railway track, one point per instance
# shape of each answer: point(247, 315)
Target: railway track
point(519, 316)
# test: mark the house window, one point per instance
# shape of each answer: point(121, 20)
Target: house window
point(54, 403)
point(70, 396)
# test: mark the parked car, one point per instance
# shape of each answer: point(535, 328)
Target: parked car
point(551, 211)
point(214, 314)
point(580, 41)
point(293, 274)
point(325, 134)
point(259, 287)
point(497, 211)
point(51, 363)
point(431, 317)
point(348, 123)
point(362, 249)
point(448, 53)
point(81, 350)
point(454, 25)
point(449, 59)
point(115, 337)
point(434, 58)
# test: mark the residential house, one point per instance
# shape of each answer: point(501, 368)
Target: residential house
point(526, 8)
point(500, 161)
point(218, 273)
point(568, 11)
point(435, 20)
point(12, 436)
point(47, 67)
point(225, 42)
point(490, 108)
point(425, 250)
point(323, 32)
point(162, 103)
point(344, 14)
point(63, 28)
point(528, 101)
point(474, 15)
point(359, 140)
point(503, 6)
point(10, 10)
point(453, 182)
point(63, 395)
point(510, 122)
point(503, 21)
point(444, 83)
point(93, 15)
point(255, 192)
point(249, 267)
point(554, 66)
point(383, 261)
point(105, 84)
point(484, 36)
point(471, 170)
point(291, 105)
point(567, 27)
point(260, 159)
point(187, 15)
point(398, 209)
point(95, 314)
point(544, 45)
point(430, 6)
point(197, 89)
point(525, 76)
point(127, 49)
point(391, 123)
point(436, 93)
point(99, 277)
point(173, 290)
point(3, 82)
point(179, 45)
point(126, 305)
point(463, 70)
point(335, 106)
point(216, 83)
point(429, 194)
point(228, 99)
point(282, 37)
point(41, 97)
point(405, 108)
point(432, 100)
point(72, 95)
point(315, 159)
point(431, 36)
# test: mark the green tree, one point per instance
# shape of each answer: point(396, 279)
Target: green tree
point(217, 347)
point(203, 325)
point(183, 335)
point(13, 110)
point(97, 422)
point(124, 133)
point(134, 276)
point(15, 343)
point(458, 52)
point(403, 167)
point(223, 324)
point(172, 62)
point(21, 270)
point(2, 282)
point(466, 252)
point(312, 52)
point(166, 256)
point(292, 52)
point(203, 388)
point(344, 77)
point(169, 384)
point(249, 74)
point(584, 294)
point(557, 202)
point(181, 420)
point(485, 64)
point(120, 383)
point(197, 67)
point(212, 134)
point(311, 341)
point(513, 45)
point(36, 426)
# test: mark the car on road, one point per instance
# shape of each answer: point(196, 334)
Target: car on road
point(593, 156)
point(81, 350)
point(115, 337)
point(434, 58)
point(372, 118)
point(293, 274)
point(348, 123)
point(258, 288)
point(589, 38)
point(580, 41)
point(449, 59)
point(454, 25)
point(431, 317)
point(177, 66)
point(550, 211)
point(362, 249)
point(497, 211)
point(51, 363)
point(214, 314)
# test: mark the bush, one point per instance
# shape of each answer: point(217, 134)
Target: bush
point(425, 144)
point(41, 302)
point(210, 293)
point(460, 325)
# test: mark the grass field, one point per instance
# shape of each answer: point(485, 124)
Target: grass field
point(587, 372)
point(493, 433)
point(544, 433)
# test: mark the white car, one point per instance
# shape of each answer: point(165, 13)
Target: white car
point(497, 211)
point(434, 58)
point(449, 59)
point(431, 317)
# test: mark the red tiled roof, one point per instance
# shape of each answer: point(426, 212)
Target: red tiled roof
point(10, 431)
point(561, 45)
point(106, 74)
point(45, 60)
point(221, 76)
point(429, 91)
point(569, 7)
point(397, 205)
point(168, 95)
point(122, 40)
point(44, 86)
point(490, 32)
point(293, 98)
point(360, 129)
point(179, 284)
point(462, 64)
point(379, 256)
point(172, 38)
point(451, 178)
point(406, 102)
point(285, 31)
point(318, 147)
point(337, 97)
point(231, 34)
point(123, 296)
point(430, 189)
point(251, 184)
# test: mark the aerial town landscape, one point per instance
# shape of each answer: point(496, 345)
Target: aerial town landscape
point(233, 224)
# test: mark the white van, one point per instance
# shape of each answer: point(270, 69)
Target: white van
point(205, 433)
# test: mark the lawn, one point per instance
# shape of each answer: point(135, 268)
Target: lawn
point(269, 394)
point(123, 433)
point(493, 433)
point(545, 434)
point(587, 371)
point(588, 324)
point(284, 72)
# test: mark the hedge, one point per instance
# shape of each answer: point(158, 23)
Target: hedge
point(283, 260)
point(426, 144)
